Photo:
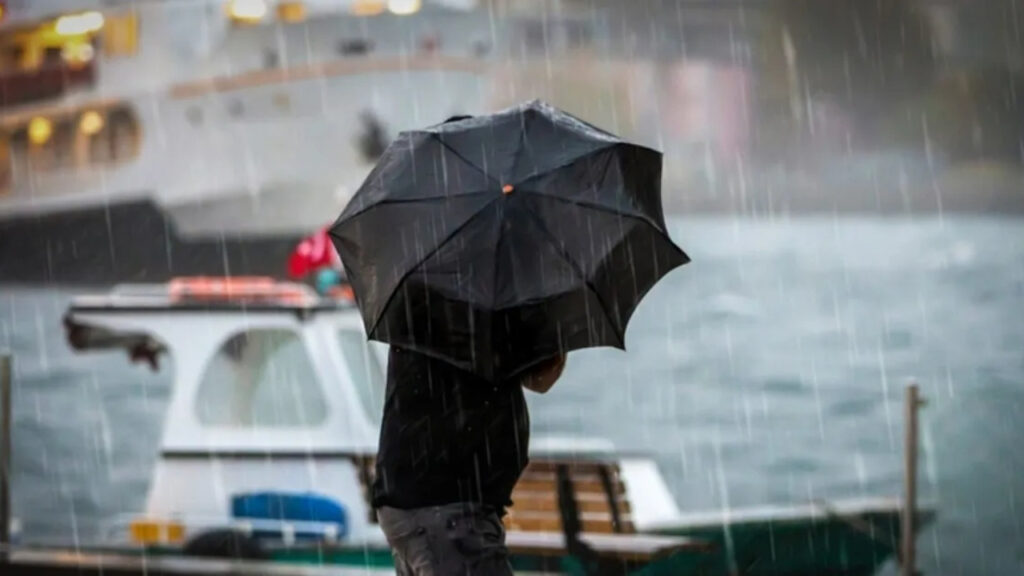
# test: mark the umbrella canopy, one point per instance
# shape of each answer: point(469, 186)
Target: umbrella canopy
point(498, 241)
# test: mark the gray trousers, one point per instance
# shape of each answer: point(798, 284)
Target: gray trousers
point(450, 540)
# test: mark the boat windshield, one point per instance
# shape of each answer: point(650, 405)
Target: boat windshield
point(261, 378)
point(366, 367)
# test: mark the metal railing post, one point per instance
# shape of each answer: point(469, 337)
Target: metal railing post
point(912, 403)
point(5, 457)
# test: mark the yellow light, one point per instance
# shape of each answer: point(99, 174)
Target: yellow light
point(368, 7)
point(156, 531)
point(404, 7)
point(90, 123)
point(291, 11)
point(77, 24)
point(247, 10)
point(39, 130)
point(77, 53)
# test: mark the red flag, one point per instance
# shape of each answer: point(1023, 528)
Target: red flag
point(314, 252)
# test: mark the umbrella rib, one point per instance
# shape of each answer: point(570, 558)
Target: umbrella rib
point(383, 309)
point(522, 144)
point(600, 208)
point(572, 161)
point(494, 261)
point(604, 209)
point(575, 267)
point(392, 201)
point(465, 160)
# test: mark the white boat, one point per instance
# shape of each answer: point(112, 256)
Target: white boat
point(277, 394)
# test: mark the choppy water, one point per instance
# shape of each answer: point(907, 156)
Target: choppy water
point(768, 371)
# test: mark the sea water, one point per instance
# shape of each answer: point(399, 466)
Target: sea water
point(768, 371)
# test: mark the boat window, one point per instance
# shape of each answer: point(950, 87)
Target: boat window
point(121, 34)
point(366, 370)
point(261, 378)
point(15, 55)
point(271, 58)
point(52, 56)
point(354, 47)
point(90, 137)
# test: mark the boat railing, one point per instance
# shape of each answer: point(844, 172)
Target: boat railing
point(47, 81)
point(332, 68)
point(6, 415)
point(911, 406)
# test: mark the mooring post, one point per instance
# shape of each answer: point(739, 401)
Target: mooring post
point(5, 458)
point(912, 403)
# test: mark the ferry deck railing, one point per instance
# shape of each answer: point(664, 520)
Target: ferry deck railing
point(6, 414)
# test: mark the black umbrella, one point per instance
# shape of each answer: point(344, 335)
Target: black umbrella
point(495, 242)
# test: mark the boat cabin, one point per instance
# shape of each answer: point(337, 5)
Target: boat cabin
point(274, 388)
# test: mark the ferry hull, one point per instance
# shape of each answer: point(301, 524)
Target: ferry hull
point(133, 241)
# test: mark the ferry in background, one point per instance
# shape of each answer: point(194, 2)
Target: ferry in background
point(144, 140)
point(139, 141)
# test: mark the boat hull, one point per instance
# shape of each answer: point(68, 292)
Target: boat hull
point(855, 541)
point(850, 540)
point(133, 241)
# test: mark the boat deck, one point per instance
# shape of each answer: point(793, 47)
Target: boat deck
point(53, 562)
point(634, 548)
point(642, 548)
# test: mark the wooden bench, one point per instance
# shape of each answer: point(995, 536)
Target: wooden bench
point(578, 508)
point(598, 489)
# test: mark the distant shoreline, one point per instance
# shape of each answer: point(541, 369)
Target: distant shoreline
point(969, 190)
point(1012, 207)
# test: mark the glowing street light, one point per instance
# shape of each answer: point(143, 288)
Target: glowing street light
point(78, 53)
point(90, 123)
point(367, 7)
point(39, 130)
point(78, 24)
point(404, 7)
point(291, 11)
point(247, 10)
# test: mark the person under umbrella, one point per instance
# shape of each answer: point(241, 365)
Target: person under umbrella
point(483, 250)
point(316, 254)
point(313, 253)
